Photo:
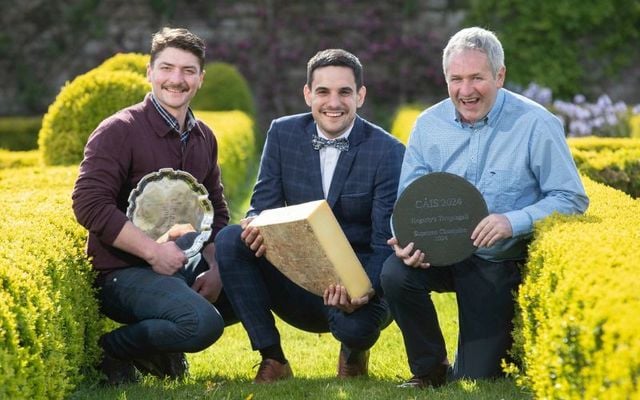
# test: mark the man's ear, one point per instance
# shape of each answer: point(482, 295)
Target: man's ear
point(201, 78)
point(362, 93)
point(502, 72)
point(306, 91)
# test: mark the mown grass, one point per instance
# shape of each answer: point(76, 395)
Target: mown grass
point(226, 369)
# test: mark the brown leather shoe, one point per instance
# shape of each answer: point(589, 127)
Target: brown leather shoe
point(271, 370)
point(436, 378)
point(358, 365)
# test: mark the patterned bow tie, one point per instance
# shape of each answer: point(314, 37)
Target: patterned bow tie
point(341, 144)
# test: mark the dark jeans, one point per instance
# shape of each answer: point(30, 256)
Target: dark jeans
point(255, 288)
point(485, 295)
point(161, 313)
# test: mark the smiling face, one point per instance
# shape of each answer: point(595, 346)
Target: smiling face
point(472, 87)
point(334, 99)
point(175, 77)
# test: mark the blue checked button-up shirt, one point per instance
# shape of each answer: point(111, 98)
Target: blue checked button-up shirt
point(517, 157)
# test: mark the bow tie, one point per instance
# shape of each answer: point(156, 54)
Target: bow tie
point(341, 144)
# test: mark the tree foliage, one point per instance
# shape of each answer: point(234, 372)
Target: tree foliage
point(567, 45)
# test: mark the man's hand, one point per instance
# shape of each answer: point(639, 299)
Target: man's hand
point(492, 228)
point(175, 232)
point(167, 258)
point(208, 284)
point(251, 237)
point(415, 260)
point(164, 258)
point(337, 296)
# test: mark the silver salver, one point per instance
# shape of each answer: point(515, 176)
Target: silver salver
point(168, 197)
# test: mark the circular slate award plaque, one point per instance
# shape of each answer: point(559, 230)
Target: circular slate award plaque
point(438, 212)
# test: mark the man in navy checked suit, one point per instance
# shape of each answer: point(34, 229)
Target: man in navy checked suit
point(329, 153)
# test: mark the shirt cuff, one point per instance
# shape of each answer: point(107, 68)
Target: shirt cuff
point(520, 221)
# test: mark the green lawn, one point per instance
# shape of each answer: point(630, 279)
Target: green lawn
point(226, 369)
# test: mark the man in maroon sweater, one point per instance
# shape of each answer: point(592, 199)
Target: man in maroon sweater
point(163, 298)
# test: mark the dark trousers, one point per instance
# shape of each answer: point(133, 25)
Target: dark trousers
point(255, 288)
point(485, 295)
point(160, 313)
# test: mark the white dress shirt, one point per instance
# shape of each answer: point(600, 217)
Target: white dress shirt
point(329, 159)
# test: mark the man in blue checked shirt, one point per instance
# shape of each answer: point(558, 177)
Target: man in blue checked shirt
point(514, 151)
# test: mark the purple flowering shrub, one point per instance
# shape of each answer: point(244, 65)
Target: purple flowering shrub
point(581, 118)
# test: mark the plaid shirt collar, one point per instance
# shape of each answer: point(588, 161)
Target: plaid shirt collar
point(172, 122)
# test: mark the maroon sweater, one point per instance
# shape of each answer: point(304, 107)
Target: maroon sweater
point(124, 148)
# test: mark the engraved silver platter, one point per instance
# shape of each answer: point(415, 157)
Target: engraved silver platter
point(168, 197)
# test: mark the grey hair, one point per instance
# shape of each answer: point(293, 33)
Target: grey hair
point(475, 38)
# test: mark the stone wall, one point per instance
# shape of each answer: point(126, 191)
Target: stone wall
point(270, 41)
point(45, 43)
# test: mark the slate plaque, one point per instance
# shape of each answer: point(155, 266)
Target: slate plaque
point(438, 212)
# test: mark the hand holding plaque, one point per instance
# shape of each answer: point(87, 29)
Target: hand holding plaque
point(167, 198)
point(438, 212)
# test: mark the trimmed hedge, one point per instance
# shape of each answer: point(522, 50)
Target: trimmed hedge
point(634, 125)
point(237, 154)
point(577, 334)
point(404, 121)
point(614, 162)
point(80, 106)
point(224, 89)
point(19, 133)
point(49, 321)
point(132, 62)
point(594, 143)
point(17, 159)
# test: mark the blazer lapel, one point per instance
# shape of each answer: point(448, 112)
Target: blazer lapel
point(345, 161)
point(312, 161)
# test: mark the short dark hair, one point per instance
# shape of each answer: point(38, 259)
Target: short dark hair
point(337, 58)
point(179, 38)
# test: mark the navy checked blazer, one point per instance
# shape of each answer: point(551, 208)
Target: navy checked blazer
point(363, 190)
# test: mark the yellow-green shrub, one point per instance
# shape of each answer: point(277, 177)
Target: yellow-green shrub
point(595, 143)
point(132, 62)
point(614, 162)
point(17, 159)
point(634, 126)
point(19, 133)
point(48, 315)
point(404, 120)
point(224, 89)
point(80, 106)
point(578, 331)
point(49, 318)
point(236, 152)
